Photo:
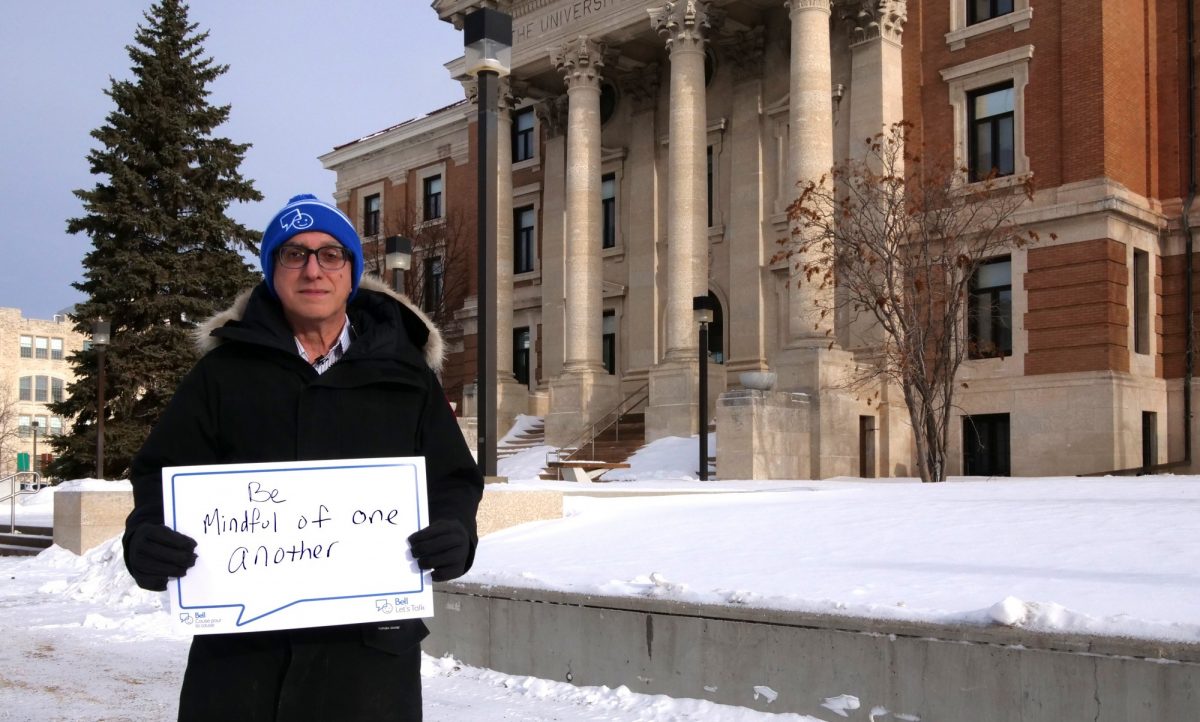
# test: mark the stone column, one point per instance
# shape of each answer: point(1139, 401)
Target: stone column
point(552, 116)
point(642, 332)
point(876, 80)
point(683, 25)
point(584, 391)
point(810, 361)
point(810, 150)
point(876, 101)
point(581, 61)
point(512, 398)
point(673, 409)
point(748, 254)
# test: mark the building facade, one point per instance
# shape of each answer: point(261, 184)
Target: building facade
point(655, 148)
point(34, 372)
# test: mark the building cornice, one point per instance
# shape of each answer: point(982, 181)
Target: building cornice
point(438, 124)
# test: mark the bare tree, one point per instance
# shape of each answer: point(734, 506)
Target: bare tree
point(443, 265)
point(900, 239)
point(9, 430)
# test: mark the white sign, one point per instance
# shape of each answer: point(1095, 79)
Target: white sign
point(298, 544)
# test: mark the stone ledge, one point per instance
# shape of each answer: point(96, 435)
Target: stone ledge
point(503, 509)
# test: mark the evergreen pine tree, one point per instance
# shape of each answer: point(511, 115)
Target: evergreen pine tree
point(165, 254)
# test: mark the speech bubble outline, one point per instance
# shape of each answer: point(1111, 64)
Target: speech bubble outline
point(245, 615)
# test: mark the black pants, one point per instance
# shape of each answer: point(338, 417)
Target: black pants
point(324, 673)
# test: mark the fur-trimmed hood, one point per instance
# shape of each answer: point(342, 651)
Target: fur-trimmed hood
point(434, 348)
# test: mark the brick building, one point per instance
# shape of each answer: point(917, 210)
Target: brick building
point(652, 158)
point(34, 371)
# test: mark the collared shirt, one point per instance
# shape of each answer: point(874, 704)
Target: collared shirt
point(335, 352)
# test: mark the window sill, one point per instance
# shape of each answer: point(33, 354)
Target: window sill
point(1017, 20)
point(716, 234)
point(439, 221)
point(616, 251)
point(527, 163)
point(1014, 182)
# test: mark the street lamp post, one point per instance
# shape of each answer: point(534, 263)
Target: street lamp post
point(398, 259)
point(34, 465)
point(487, 41)
point(702, 309)
point(100, 340)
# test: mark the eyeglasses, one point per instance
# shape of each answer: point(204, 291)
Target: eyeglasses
point(331, 258)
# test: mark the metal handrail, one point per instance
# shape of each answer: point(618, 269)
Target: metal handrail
point(642, 393)
point(10, 489)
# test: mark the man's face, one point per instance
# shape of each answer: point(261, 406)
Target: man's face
point(313, 295)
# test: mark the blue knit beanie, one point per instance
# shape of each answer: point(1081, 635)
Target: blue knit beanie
point(302, 214)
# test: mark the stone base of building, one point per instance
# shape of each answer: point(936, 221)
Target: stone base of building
point(763, 435)
point(824, 374)
point(512, 399)
point(673, 409)
point(578, 398)
point(674, 389)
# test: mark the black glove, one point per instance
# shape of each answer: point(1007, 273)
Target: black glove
point(443, 546)
point(156, 552)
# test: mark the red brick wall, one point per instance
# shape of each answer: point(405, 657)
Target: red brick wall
point(1105, 95)
point(1173, 308)
point(1078, 318)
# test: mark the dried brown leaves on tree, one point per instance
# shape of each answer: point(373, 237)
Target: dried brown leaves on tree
point(898, 238)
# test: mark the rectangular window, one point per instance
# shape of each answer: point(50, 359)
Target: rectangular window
point(1141, 301)
point(41, 389)
point(56, 349)
point(1149, 439)
point(521, 355)
point(866, 446)
point(989, 310)
point(41, 347)
point(56, 389)
point(980, 10)
point(24, 426)
point(990, 124)
point(371, 207)
point(433, 283)
point(609, 342)
point(27, 347)
point(523, 225)
point(26, 387)
point(433, 197)
point(43, 424)
point(608, 210)
point(522, 135)
point(56, 426)
point(986, 445)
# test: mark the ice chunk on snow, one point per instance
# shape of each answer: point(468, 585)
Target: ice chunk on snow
point(766, 693)
point(839, 704)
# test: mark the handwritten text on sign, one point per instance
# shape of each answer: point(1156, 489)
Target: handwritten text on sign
point(298, 544)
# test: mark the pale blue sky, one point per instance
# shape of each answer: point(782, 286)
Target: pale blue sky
point(304, 76)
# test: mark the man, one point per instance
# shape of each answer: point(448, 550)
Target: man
point(309, 365)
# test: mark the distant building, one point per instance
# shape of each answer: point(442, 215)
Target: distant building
point(33, 373)
point(652, 150)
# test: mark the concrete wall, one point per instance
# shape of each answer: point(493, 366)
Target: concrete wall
point(790, 662)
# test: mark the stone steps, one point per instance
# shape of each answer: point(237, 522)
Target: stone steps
point(27, 541)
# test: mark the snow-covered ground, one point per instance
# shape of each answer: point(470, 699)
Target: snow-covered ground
point(1099, 556)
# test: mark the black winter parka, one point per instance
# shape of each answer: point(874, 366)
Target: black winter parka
point(251, 398)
